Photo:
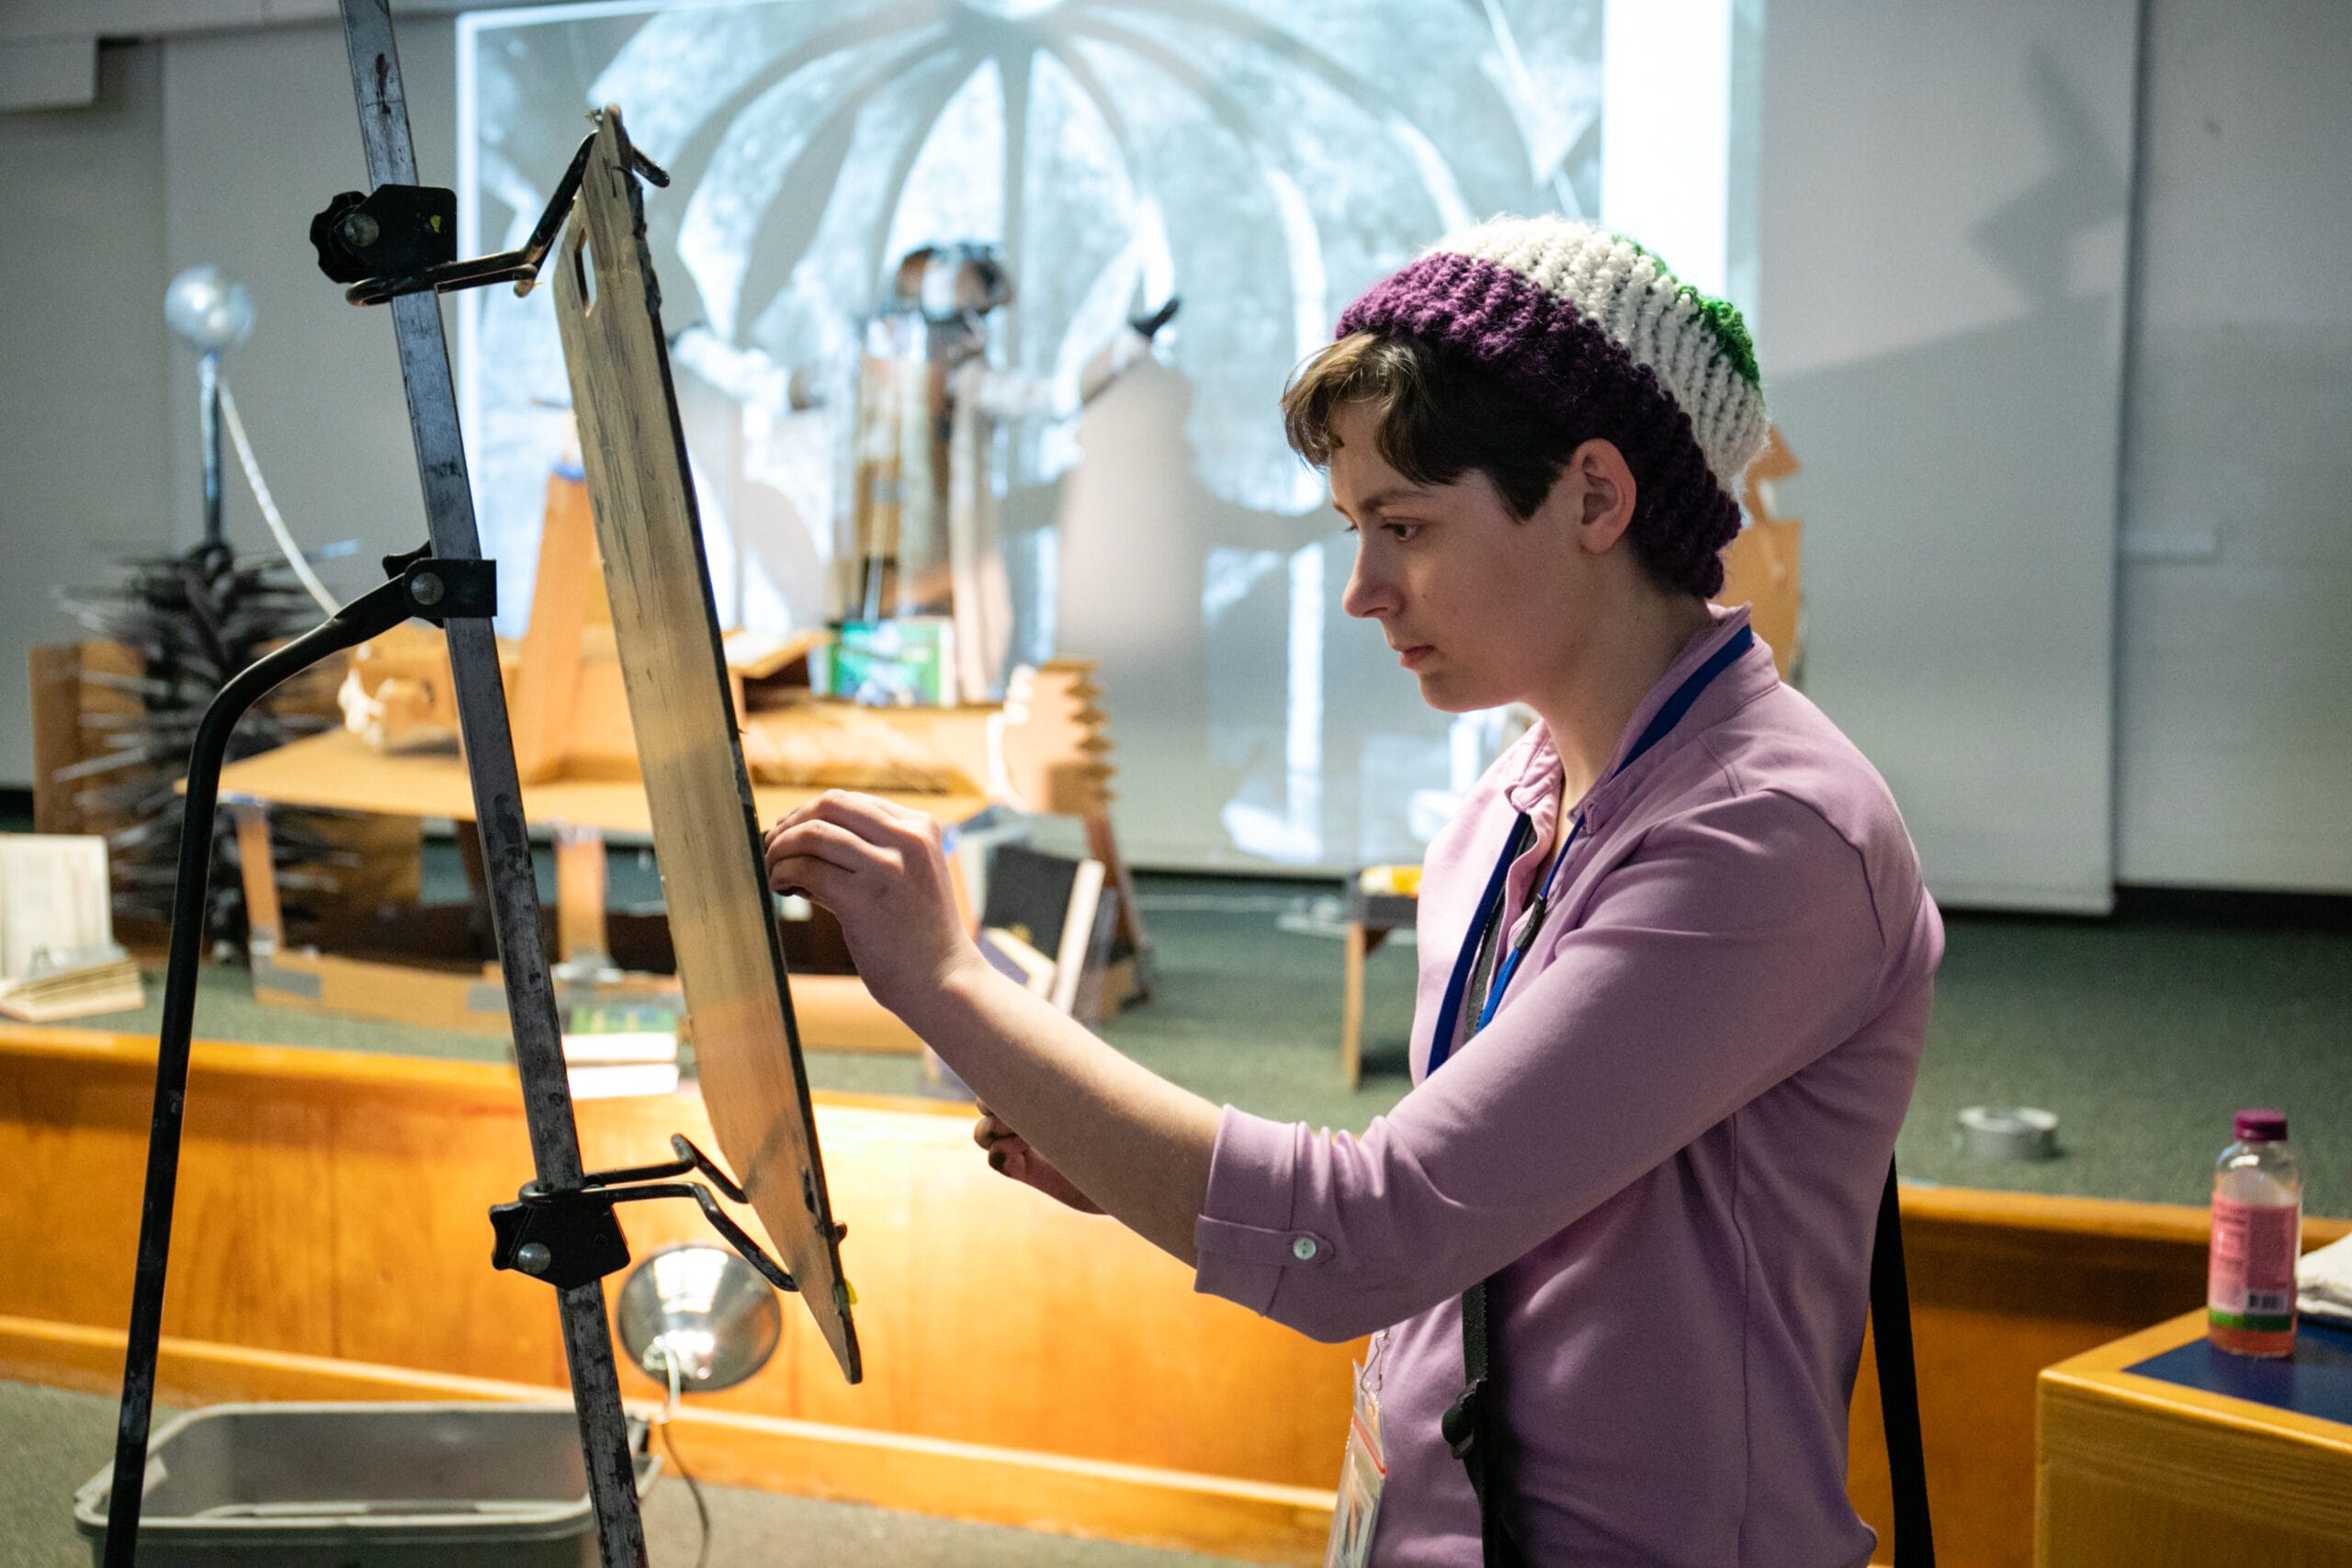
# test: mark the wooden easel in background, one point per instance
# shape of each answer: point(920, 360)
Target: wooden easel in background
point(1761, 566)
point(1044, 749)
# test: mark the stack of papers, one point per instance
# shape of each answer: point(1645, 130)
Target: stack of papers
point(620, 1051)
point(2323, 1282)
point(58, 956)
point(83, 982)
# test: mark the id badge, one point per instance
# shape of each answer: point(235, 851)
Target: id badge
point(1364, 1471)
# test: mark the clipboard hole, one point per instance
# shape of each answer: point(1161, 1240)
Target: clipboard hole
point(583, 274)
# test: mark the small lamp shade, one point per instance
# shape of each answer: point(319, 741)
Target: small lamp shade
point(702, 1310)
point(208, 310)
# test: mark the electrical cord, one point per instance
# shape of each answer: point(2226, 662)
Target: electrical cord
point(269, 514)
point(694, 1487)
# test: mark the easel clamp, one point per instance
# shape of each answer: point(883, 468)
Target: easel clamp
point(443, 591)
point(569, 1236)
point(402, 239)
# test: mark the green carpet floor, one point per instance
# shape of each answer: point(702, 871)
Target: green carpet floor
point(2141, 1034)
point(52, 1441)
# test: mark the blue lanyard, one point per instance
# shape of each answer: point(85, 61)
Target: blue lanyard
point(1490, 903)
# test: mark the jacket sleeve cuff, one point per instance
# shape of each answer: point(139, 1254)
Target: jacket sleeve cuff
point(1244, 1234)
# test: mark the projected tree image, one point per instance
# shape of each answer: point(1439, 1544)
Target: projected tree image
point(1264, 162)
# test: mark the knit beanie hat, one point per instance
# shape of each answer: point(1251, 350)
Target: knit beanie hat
point(1597, 333)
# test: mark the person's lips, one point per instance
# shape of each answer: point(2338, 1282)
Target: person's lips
point(1412, 655)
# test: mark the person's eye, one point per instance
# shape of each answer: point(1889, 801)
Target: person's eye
point(1401, 532)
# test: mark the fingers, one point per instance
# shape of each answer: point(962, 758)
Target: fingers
point(828, 843)
point(1009, 1152)
point(1011, 1155)
point(854, 832)
point(1003, 1144)
point(878, 868)
point(869, 816)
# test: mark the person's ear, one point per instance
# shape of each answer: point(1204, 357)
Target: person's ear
point(1598, 479)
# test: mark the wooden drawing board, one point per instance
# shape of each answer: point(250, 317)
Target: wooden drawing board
point(706, 831)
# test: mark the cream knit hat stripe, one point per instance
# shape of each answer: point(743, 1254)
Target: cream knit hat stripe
point(1695, 345)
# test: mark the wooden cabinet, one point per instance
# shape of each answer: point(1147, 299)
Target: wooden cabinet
point(2142, 1461)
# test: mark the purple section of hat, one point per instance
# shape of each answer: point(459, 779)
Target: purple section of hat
point(1542, 347)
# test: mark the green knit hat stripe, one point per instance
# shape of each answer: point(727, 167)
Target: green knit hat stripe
point(1721, 318)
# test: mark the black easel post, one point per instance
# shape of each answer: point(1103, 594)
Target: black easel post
point(498, 795)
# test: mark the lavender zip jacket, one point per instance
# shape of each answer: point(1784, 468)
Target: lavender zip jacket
point(1670, 1140)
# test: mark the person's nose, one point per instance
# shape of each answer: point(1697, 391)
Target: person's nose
point(1370, 592)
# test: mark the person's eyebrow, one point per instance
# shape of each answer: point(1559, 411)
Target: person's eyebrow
point(1381, 498)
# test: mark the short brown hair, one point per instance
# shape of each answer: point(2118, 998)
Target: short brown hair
point(1437, 415)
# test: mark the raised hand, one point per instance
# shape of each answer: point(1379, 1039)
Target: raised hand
point(880, 870)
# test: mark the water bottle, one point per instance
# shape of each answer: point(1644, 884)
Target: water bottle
point(2257, 1235)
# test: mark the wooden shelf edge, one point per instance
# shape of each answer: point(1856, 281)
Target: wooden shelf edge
point(2125, 1218)
point(1224, 1515)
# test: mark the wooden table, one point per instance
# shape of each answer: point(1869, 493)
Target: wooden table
point(2154, 1451)
point(339, 771)
point(1371, 916)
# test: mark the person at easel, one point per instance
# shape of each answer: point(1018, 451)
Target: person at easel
point(1676, 964)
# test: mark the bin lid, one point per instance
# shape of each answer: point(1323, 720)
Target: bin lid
point(220, 1514)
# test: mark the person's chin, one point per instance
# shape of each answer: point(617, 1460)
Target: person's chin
point(1447, 693)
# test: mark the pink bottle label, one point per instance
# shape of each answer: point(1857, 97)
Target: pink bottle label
point(2252, 1282)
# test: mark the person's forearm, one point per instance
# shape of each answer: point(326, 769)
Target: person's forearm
point(1130, 1140)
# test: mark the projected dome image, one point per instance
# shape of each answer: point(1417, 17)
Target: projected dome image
point(1263, 163)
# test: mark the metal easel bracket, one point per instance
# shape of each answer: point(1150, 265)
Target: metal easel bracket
point(402, 239)
point(443, 591)
point(569, 1236)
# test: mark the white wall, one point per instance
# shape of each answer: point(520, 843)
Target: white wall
point(259, 130)
point(201, 148)
point(82, 408)
point(2234, 740)
point(1942, 219)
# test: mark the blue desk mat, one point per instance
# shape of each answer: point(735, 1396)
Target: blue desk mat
point(2316, 1381)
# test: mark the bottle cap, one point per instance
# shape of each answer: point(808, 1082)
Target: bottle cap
point(2260, 1126)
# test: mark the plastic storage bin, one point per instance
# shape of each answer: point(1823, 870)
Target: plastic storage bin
point(365, 1486)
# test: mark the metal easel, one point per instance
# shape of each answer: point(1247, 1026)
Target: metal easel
point(396, 245)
